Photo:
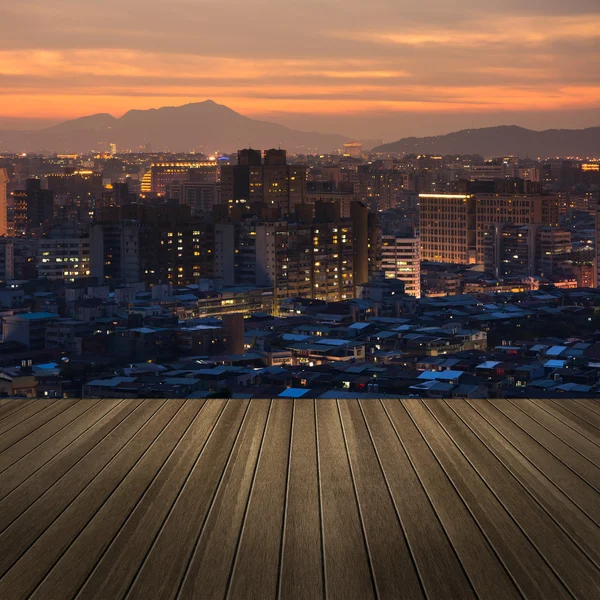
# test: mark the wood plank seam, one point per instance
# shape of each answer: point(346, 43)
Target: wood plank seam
point(534, 464)
point(63, 449)
point(509, 513)
point(545, 446)
point(553, 433)
point(465, 503)
point(248, 499)
point(359, 508)
point(565, 423)
point(520, 483)
point(320, 487)
point(89, 483)
point(285, 502)
point(426, 493)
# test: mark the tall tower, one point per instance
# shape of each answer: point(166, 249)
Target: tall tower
point(3, 202)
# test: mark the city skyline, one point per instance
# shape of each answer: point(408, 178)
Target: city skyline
point(368, 71)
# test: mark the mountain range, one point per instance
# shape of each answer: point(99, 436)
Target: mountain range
point(210, 127)
point(201, 126)
point(506, 140)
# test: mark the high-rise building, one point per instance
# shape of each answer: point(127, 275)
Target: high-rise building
point(448, 228)
point(492, 209)
point(63, 254)
point(273, 182)
point(32, 207)
point(155, 244)
point(81, 185)
point(310, 260)
point(512, 250)
point(4, 179)
point(401, 259)
point(161, 174)
point(200, 196)
point(353, 149)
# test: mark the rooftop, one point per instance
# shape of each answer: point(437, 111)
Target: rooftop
point(299, 499)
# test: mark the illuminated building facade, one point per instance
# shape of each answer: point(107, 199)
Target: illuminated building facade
point(4, 179)
point(32, 207)
point(448, 228)
point(401, 259)
point(65, 259)
point(160, 175)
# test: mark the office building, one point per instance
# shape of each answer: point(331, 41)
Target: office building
point(448, 228)
point(161, 174)
point(200, 196)
point(492, 209)
point(401, 259)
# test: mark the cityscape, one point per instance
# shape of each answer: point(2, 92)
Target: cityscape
point(257, 273)
point(299, 301)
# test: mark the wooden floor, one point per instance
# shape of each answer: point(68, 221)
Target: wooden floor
point(261, 499)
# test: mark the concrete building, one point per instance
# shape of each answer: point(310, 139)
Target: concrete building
point(63, 255)
point(515, 209)
point(200, 196)
point(524, 250)
point(448, 228)
point(115, 251)
point(161, 174)
point(273, 183)
point(32, 207)
point(401, 259)
point(28, 328)
point(4, 179)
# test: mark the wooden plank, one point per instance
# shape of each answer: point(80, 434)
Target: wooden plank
point(565, 453)
point(165, 563)
point(559, 411)
point(572, 520)
point(116, 568)
point(392, 559)
point(589, 403)
point(485, 570)
point(9, 406)
point(526, 566)
point(60, 449)
point(53, 426)
point(17, 413)
point(70, 572)
point(255, 570)
point(578, 490)
point(210, 566)
point(83, 487)
point(347, 567)
point(575, 569)
point(582, 411)
point(423, 530)
point(41, 419)
point(302, 561)
point(566, 434)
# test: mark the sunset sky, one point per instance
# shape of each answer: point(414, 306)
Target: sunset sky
point(382, 68)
